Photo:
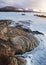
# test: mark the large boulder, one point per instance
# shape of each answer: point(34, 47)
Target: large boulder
point(24, 43)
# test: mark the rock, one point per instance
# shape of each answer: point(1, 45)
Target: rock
point(6, 48)
point(13, 41)
point(14, 31)
point(16, 60)
point(23, 28)
point(4, 60)
point(13, 61)
point(18, 30)
point(21, 39)
point(23, 14)
point(37, 32)
point(6, 53)
point(24, 43)
point(7, 22)
point(20, 60)
point(21, 43)
point(42, 16)
point(4, 28)
point(3, 33)
point(33, 41)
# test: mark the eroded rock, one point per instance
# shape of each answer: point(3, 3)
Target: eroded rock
point(4, 28)
point(24, 43)
point(6, 48)
point(13, 61)
point(15, 40)
point(20, 60)
point(4, 60)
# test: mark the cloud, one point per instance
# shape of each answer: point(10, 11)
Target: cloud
point(12, 3)
point(24, 3)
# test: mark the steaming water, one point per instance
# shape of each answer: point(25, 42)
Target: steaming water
point(38, 55)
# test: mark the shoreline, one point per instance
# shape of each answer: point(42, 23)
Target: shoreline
point(15, 41)
point(42, 16)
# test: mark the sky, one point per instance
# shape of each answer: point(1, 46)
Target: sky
point(33, 4)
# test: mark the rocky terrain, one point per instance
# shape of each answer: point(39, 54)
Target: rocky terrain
point(15, 41)
point(42, 16)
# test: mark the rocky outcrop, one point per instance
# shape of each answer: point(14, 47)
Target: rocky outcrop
point(22, 39)
point(7, 54)
point(20, 60)
point(37, 32)
point(24, 43)
point(42, 16)
point(13, 61)
point(4, 28)
point(13, 41)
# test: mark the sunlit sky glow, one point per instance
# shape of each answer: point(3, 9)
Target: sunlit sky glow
point(33, 4)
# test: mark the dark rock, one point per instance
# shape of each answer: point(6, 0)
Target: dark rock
point(4, 60)
point(23, 14)
point(5, 22)
point(37, 32)
point(24, 29)
point(43, 16)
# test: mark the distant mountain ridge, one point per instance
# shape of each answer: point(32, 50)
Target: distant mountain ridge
point(17, 9)
point(8, 8)
point(13, 9)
